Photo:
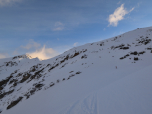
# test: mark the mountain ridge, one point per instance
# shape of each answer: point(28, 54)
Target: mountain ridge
point(82, 70)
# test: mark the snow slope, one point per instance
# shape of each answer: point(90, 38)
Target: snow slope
point(83, 80)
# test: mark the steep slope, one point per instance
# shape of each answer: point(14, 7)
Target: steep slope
point(89, 79)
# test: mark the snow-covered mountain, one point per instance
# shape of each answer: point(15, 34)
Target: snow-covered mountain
point(112, 76)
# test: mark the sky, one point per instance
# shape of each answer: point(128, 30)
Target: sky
point(46, 28)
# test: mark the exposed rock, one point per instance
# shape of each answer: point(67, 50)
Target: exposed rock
point(136, 58)
point(134, 53)
point(13, 103)
point(121, 58)
point(5, 93)
point(52, 84)
point(4, 82)
point(78, 72)
point(32, 91)
point(84, 56)
point(58, 81)
point(39, 85)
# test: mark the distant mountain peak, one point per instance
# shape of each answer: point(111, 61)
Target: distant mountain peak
point(22, 56)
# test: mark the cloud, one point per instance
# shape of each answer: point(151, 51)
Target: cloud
point(118, 15)
point(31, 44)
point(35, 49)
point(8, 2)
point(58, 29)
point(2, 56)
point(132, 9)
point(119, 2)
point(75, 44)
point(58, 26)
point(44, 53)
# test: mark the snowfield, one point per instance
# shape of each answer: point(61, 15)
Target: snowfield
point(112, 76)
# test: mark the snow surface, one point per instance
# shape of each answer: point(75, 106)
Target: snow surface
point(92, 85)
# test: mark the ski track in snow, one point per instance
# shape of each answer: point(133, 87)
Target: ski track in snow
point(88, 105)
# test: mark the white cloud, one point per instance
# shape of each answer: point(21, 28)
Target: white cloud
point(131, 9)
point(119, 2)
point(58, 26)
point(35, 49)
point(44, 53)
point(75, 44)
point(8, 2)
point(58, 29)
point(2, 56)
point(138, 4)
point(118, 15)
point(31, 44)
